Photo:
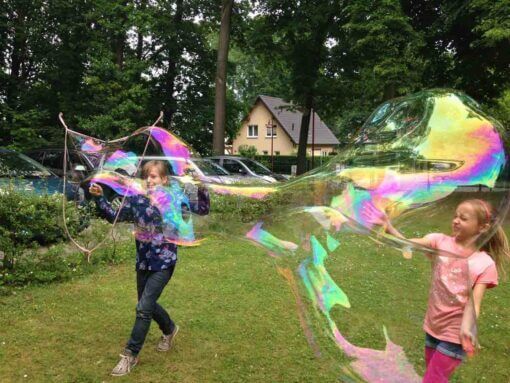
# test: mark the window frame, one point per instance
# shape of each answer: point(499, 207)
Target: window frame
point(254, 129)
point(273, 128)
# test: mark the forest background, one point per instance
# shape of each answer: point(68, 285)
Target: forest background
point(111, 65)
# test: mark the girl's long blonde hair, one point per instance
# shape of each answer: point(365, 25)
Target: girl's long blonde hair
point(497, 245)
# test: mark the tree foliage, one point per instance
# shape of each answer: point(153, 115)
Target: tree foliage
point(112, 65)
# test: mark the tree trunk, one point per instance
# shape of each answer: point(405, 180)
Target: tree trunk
point(18, 49)
point(303, 135)
point(139, 42)
point(221, 79)
point(139, 46)
point(14, 83)
point(389, 91)
point(319, 39)
point(120, 42)
point(170, 105)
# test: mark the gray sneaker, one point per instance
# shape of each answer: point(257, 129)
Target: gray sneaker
point(166, 340)
point(126, 363)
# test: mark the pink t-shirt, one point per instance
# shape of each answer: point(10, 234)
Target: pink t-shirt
point(451, 280)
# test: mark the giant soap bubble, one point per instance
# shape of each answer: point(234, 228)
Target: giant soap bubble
point(119, 175)
point(412, 162)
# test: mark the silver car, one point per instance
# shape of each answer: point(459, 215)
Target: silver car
point(209, 171)
point(246, 167)
point(206, 170)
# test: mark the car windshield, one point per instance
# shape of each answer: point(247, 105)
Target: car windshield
point(18, 165)
point(256, 167)
point(209, 168)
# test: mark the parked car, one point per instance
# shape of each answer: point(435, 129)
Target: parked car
point(247, 167)
point(209, 171)
point(206, 170)
point(79, 165)
point(27, 175)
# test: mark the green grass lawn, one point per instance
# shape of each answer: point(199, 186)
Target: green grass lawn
point(238, 319)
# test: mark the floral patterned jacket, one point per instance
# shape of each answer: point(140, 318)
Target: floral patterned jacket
point(153, 250)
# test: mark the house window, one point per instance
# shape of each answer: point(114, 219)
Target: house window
point(324, 154)
point(277, 153)
point(265, 152)
point(253, 131)
point(269, 129)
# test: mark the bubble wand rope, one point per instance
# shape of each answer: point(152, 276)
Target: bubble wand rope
point(88, 252)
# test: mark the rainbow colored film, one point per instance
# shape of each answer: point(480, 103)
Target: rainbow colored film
point(415, 157)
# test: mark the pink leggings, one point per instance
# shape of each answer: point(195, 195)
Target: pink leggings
point(439, 366)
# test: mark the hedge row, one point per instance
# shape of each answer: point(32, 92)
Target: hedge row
point(283, 164)
point(32, 239)
point(57, 264)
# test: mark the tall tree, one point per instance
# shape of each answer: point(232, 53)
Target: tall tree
point(111, 66)
point(115, 96)
point(281, 30)
point(25, 43)
point(467, 44)
point(220, 98)
point(182, 68)
point(376, 56)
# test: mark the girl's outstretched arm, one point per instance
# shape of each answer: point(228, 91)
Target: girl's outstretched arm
point(390, 229)
point(374, 216)
point(106, 208)
point(468, 336)
point(123, 213)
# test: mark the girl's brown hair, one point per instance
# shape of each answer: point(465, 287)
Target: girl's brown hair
point(161, 167)
point(497, 245)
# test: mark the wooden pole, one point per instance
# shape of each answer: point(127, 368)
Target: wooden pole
point(313, 137)
point(270, 124)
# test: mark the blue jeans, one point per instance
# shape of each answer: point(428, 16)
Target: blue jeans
point(150, 285)
point(453, 350)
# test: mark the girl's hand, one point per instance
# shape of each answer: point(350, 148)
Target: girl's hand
point(96, 190)
point(468, 341)
point(371, 215)
point(468, 329)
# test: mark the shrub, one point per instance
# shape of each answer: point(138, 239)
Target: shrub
point(229, 208)
point(57, 263)
point(27, 217)
point(32, 247)
point(249, 151)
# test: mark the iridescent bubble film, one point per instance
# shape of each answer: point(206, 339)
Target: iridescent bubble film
point(412, 163)
point(120, 177)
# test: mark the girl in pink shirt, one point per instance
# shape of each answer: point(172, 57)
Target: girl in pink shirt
point(450, 321)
